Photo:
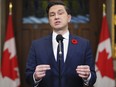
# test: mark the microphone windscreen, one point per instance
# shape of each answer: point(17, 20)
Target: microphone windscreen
point(59, 38)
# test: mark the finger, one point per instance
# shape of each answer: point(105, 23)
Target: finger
point(83, 73)
point(83, 67)
point(83, 70)
point(47, 67)
point(39, 75)
point(42, 68)
point(83, 76)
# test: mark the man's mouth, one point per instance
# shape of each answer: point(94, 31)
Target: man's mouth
point(57, 22)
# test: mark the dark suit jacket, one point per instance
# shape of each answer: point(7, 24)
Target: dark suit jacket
point(41, 52)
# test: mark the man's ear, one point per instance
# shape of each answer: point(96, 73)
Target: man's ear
point(69, 18)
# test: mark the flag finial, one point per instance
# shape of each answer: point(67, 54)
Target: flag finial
point(10, 8)
point(104, 9)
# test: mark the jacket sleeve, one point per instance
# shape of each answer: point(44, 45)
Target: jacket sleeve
point(30, 65)
point(89, 60)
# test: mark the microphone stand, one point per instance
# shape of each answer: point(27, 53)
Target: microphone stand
point(59, 59)
point(59, 39)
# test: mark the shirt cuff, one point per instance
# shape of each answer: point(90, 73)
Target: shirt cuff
point(36, 82)
point(86, 81)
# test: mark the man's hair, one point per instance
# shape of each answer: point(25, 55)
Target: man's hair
point(50, 4)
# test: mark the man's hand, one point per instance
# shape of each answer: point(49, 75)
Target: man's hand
point(40, 71)
point(83, 71)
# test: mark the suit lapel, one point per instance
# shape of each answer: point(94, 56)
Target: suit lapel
point(51, 56)
point(70, 53)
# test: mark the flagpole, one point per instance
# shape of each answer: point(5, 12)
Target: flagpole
point(104, 9)
point(10, 8)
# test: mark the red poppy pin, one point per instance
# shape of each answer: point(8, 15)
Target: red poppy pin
point(74, 41)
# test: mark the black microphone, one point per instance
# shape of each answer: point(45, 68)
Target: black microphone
point(59, 39)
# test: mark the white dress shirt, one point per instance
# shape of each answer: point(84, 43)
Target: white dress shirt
point(65, 44)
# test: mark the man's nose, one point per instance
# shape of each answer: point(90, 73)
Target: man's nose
point(56, 16)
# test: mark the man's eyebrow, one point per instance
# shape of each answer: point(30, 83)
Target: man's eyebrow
point(51, 12)
point(58, 10)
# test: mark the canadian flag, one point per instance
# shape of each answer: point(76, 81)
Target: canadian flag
point(104, 61)
point(9, 66)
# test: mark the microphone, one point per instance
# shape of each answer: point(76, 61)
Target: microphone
point(59, 39)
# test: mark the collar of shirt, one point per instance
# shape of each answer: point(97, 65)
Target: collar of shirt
point(55, 44)
point(66, 35)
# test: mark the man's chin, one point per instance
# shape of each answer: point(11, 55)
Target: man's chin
point(57, 29)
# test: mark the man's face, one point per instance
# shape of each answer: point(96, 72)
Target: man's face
point(58, 17)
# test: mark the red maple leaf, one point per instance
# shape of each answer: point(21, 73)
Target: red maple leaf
point(9, 66)
point(105, 65)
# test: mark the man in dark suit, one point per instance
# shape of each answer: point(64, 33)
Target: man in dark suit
point(43, 69)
